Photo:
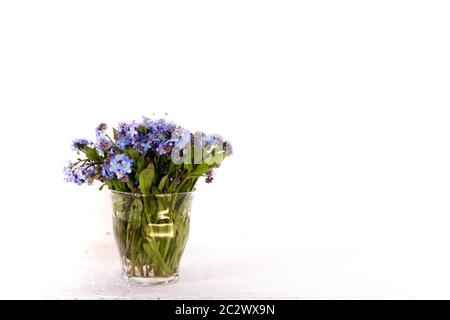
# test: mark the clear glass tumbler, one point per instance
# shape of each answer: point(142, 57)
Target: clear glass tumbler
point(151, 232)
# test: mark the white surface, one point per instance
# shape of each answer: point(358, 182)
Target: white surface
point(211, 273)
point(339, 114)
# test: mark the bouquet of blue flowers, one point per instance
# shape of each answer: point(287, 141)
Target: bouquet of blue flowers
point(153, 156)
point(151, 168)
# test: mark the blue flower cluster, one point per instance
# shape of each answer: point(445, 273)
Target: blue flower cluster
point(103, 144)
point(150, 141)
point(208, 142)
point(77, 144)
point(157, 135)
point(120, 165)
point(79, 175)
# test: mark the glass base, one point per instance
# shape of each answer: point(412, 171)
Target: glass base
point(150, 281)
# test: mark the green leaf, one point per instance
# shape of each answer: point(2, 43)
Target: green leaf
point(146, 178)
point(138, 246)
point(130, 185)
point(109, 183)
point(162, 183)
point(188, 167)
point(119, 185)
point(135, 212)
point(173, 167)
point(153, 251)
point(187, 186)
point(200, 170)
point(133, 154)
point(140, 163)
point(92, 154)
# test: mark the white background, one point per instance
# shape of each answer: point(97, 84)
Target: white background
point(338, 111)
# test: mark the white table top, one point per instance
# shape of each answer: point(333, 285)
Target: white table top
point(208, 273)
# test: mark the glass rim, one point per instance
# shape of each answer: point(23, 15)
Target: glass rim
point(143, 195)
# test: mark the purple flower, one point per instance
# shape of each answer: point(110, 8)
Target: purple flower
point(209, 176)
point(151, 140)
point(103, 144)
point(78, 144)
point(127, 134)
point(120, 165)
point(157, 135)
point(145, 145)
point(106, 172)
point(79, 174)
point(123, 142)
point(164, 148)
